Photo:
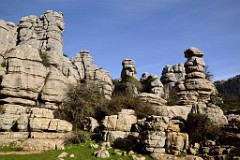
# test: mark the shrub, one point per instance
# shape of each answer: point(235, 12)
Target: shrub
point(78, 137)
point(128, 101)
point(4, 64)
point(200, 128)
point(146, 84)
point(231, 103)
point(82, 101)
point(209, 75)
point(128, 85)
point(136, 82)
point(12, 146)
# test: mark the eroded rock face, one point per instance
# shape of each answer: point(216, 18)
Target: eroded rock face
point(128, 69)
point(152, 84)
point(213, 113)
point(195, 87)
point(88, 71)
point(33, 69)
point(171, 75)
point(35, 74)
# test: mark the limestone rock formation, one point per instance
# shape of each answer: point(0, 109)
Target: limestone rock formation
point(28, 124)
point(35, 74)
point(128, 70)
point(152, 91)
point(161, 135)
point(128, 78)
point(88, 71)
point(118, 128)
point(33, 69)
point(195, 87)
point(213, 113)
point(171, 75)
point(152, 84)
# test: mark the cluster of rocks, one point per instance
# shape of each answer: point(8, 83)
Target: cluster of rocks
point(155, 134)
point(35, 73)
point(171, 75)
point(36, 127)
point(196, 87)
point(38, 70)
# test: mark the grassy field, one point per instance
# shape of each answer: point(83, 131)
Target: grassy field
point(81, 152)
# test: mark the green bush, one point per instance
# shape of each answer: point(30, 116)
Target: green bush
point(79, 137)
point(146, 84)
point(82, 101)
point(11, 147)
point(136, 82)
point(4, 64)
point(127, 101)
point(200, 128)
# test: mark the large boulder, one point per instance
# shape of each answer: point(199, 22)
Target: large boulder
point(213, 113)
point(121, 122)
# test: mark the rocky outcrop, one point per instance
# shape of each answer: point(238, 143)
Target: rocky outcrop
point(154, 134)
point(88, 71)
point(119, 128)
point(160, 134)
point(128, 83)
point(195, 87)
point(28, 124)
point(35, 74)
point(128, 70)
point(213, 113)
point(152, 84)
point(34, 70)
point(152, 99)
point(171, 75)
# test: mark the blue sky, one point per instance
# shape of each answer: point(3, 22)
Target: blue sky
point(152, 32)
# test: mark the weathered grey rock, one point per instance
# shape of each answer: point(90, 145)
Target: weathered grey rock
point(102, 153)
point(153, 140)
point(152, 84)
point(35, 75)
point(87, 70)
point(42, 144)
point(121, 122)
point(196, 87)
point(162, 156)
point(171, 75)
point(156, 123)
point(93, 124)
point(179, 111)
point(213, 113)
point(113, 136)
point(8, 36)
point(177, 143)
point(128, 69)
point(63, 155)
point(152, 99)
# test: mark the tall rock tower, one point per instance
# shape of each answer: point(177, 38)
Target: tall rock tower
point(195, 87)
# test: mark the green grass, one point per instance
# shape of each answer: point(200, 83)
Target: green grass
point(81, 152)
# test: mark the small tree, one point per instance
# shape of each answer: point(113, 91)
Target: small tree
point(82, 101)
point(200, 128)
